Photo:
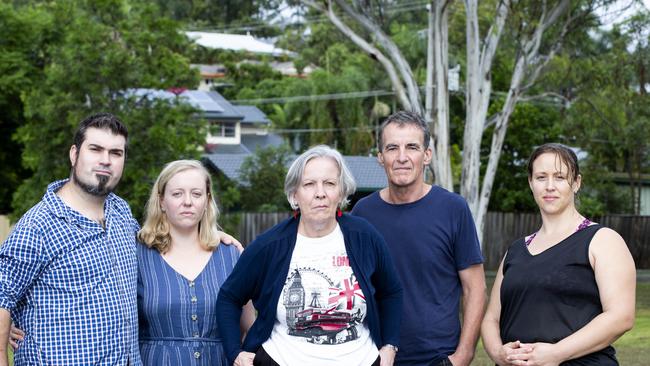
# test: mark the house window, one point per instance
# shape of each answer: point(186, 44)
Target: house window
point(223, 129)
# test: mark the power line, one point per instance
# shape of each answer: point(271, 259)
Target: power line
point(366, 94)
point(309, 98)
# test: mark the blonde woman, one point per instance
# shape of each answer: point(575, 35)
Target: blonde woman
point(181, 266)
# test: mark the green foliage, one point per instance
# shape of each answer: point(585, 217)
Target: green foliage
point(23, 54)
point(262, 180)
point(610, 117)
point(530, 125)
point(106, 48)
point(236, 15)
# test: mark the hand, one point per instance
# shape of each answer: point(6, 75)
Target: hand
point(513, 353)
point(15, 335)
point(230, 240)
point(386, 356)
point(542, 354)
point(461, 358)
point(244, 359)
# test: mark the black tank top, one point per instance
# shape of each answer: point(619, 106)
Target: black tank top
point(551, 295)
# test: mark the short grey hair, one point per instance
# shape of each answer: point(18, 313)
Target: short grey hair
point(297, 168)
point(401, 119)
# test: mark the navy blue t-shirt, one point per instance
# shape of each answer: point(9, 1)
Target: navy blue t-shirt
point(430, 240)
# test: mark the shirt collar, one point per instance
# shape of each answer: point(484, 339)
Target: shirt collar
point(60, 209)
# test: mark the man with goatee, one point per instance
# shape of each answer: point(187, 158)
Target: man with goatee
point(68, 268)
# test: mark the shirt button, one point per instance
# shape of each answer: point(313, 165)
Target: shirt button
point(194, 317)
point(194, 299)
point(197, 354)
point(191, 283)
point(196, 335)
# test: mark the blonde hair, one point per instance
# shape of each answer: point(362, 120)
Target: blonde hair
point(155, 230)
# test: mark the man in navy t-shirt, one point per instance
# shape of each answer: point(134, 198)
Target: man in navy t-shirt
point(432, 239)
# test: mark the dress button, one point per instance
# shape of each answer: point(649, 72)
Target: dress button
point(197, 354)
point(194, 317)
point(194, 298)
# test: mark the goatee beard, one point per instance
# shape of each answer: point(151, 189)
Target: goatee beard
point(100, 189)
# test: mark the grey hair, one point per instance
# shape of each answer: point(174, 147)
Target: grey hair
point(297, 168)
point(403, 118)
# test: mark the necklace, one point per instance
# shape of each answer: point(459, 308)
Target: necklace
point(586, 222)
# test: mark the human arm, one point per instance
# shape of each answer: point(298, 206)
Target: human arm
point(490, 331)
point(244, 359)
point(615, 275)
point(15, 335)
point(21, 261)
point(243, 284)
point(5, 324)
point(389, 297)
point(472, 280)
point(247, 319)
point(386, 356)
point(230, 240)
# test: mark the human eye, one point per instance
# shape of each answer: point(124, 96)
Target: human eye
point(330, 183)
point(177, 194)
point(197, 194)
point(390, 147)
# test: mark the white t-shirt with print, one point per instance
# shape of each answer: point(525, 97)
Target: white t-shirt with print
point(321, 309)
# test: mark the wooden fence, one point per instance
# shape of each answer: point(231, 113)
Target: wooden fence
point(501, 229)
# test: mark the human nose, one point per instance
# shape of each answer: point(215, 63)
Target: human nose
point(320, 190)
point(187, 199)
point(550, 184)
point(105, 158)
point(401, 155)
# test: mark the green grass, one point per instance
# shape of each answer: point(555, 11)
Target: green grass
point(633, 348)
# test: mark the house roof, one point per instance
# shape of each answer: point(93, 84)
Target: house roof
point(228, 111)
point(253, 142)
point(211, 103)
point(367, 172)
point(235, 42)
point(251, 114)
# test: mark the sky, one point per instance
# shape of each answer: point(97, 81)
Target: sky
point(621, 10)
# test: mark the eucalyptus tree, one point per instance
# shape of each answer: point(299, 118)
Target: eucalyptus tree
point(535, 29)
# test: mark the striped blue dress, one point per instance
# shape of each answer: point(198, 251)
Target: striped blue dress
point(177, 319)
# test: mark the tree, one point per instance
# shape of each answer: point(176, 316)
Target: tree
point(609, 108)
point(23, 55)
point(262, 180)
point(106, 49)
point(342, 122)
point(537, 30)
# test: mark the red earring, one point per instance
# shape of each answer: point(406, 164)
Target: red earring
point(296, 213)
point(339, 213)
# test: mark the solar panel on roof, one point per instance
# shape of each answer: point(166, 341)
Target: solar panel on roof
point(202, 100)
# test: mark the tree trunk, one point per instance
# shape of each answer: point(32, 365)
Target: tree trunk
point(477, 94)
point(440, 132)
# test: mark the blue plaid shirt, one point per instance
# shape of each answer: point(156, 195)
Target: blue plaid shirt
point(70, 284)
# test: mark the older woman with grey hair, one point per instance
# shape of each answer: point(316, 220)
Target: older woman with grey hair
point(322, 281)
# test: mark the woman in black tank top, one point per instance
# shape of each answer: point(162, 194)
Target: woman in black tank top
point(564, 294)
